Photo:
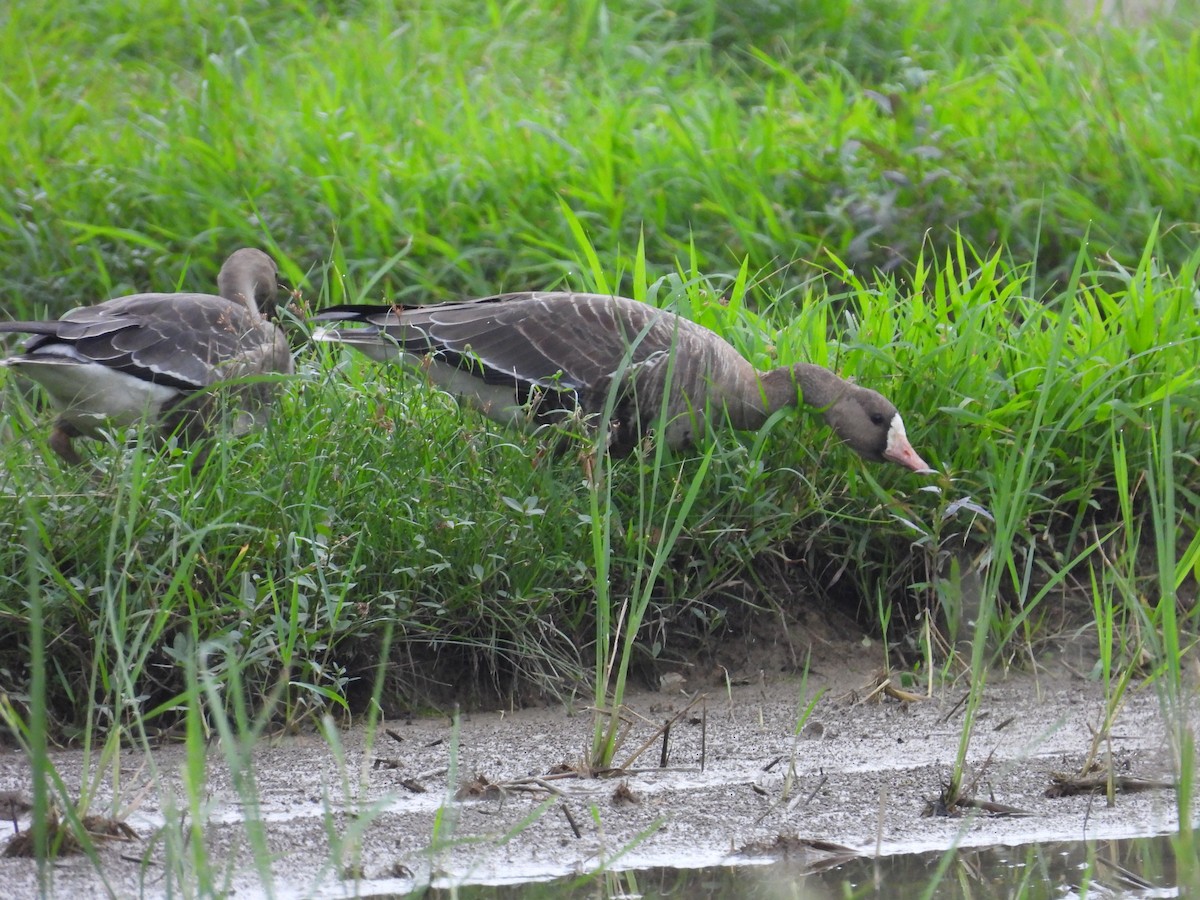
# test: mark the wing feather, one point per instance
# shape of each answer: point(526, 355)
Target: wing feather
point(176, 340)
point(557, 340)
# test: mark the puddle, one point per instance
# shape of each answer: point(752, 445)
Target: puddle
point(1131, 868)
point(1139, 868)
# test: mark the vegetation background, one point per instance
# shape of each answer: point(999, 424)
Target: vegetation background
point(986, 211)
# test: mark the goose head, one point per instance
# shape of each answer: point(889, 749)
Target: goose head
point(870, 425)
point(251, 278)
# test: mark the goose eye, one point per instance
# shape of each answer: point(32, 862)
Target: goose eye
point(877, 418)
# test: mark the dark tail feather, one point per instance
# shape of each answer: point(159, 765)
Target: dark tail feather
point(30, 327)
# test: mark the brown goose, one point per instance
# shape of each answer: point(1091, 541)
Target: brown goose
point(534, 356)
point(153, 355)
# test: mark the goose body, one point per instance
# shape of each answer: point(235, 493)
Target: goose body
point(539, 356)
point(153, 357)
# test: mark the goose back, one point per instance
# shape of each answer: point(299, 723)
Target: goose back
point(154, 355)
point(548, 355)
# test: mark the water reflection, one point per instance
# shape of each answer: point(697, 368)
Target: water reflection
point(1143, 867)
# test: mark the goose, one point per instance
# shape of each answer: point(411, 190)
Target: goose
point(531, 358)
point(154, 356)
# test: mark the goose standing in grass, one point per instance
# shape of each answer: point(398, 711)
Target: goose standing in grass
point(535, 357)
point(156, 356)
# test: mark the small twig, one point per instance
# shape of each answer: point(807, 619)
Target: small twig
point(675, 718)
point(1064, 785)
point(532, 783)
point(955, 708)
point(644, 770)
point(983, 767)
point(996, 809)
point(813, 792)
point(571, 821)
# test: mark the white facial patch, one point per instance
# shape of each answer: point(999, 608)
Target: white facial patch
point(899, 450)
point(897, 439)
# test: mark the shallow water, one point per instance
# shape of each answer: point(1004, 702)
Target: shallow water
point(1141, 867)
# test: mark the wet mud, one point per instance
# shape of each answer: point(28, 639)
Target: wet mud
point(506, 796)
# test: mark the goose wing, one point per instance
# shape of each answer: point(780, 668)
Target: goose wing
point(558, 340)
point(176, 340)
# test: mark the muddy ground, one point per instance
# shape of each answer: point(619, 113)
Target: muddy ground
point(864, 770)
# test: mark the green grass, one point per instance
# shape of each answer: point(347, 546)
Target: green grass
point(988, 216)
point(453, 130)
